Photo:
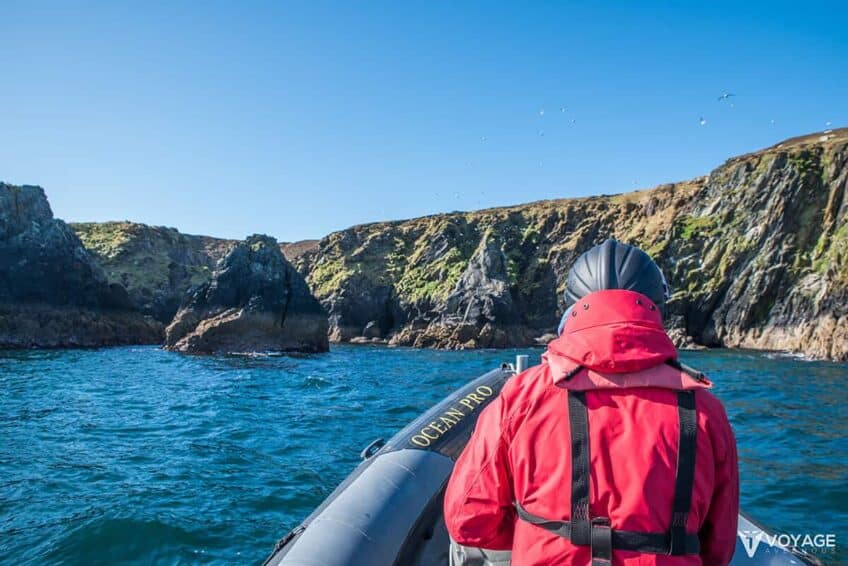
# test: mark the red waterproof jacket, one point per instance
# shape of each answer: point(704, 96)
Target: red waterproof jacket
point(614, 348)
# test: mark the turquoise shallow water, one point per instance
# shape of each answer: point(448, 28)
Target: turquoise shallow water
point(142, 456)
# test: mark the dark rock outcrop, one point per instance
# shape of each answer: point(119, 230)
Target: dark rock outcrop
point(478, 313)
point(52, 291)
point(155, 264)
point(757, 253)
point(255, 301)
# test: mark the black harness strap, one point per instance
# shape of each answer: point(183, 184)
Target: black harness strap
point(691, 372)
point(684, 479)
point(578, 416)
point(650, 543)
point(595, 532)
point(585, 531)
point(571, 373)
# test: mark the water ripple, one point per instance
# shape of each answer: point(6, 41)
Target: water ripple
point(143, 456)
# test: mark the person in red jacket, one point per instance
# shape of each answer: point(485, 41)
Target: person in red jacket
point(610, 451)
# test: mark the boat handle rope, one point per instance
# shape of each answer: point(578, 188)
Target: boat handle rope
point(372, 448)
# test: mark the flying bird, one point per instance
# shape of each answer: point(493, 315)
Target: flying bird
point(726, 95)
point(702, 121)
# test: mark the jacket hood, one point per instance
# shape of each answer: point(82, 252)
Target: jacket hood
point(614, 331)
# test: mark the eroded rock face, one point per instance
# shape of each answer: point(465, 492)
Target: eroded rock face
point(479, 312)
point(52, 291)
point(757, 253)
point(255, 301)
point(771, 246)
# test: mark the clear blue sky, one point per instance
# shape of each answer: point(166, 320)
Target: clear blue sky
point(299, 119)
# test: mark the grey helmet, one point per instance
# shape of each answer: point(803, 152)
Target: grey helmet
point(613, 265)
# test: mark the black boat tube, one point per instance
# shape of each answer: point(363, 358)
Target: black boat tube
point(386, 510)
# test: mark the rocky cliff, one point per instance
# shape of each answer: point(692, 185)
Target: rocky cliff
point(756, 252)
point(159, 265)
point(254, 301)
point(52, 291)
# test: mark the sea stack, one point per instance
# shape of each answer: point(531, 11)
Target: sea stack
point(255, 301)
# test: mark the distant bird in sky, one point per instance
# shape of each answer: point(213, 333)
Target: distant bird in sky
point(702, 121)
point(726, 95)
point(541, 111)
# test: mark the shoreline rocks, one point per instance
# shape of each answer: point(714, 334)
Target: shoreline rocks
point(255, 301)
point(40, 325)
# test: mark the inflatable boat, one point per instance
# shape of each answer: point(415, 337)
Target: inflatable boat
point(388, 511)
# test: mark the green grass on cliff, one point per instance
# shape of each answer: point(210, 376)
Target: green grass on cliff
point(147, 260)
point(806, 162)
point(433, 281)
point(144, 269)
point(698, 226)
point(106, 239)
point(832, 254)
point(327, 275)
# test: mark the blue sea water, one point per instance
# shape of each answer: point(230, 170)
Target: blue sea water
point(136, 455)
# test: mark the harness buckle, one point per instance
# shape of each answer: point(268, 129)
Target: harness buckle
point(601, 541)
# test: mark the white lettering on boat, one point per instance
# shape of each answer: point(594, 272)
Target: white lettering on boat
point(452, 416)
